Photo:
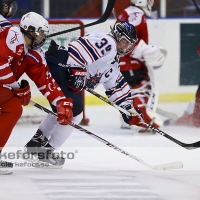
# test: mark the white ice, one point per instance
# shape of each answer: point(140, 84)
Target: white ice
point(98, 172)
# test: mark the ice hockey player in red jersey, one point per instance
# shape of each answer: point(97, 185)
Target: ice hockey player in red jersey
point(8, 9)
point(90, 60)
point(21, 53)
point(137, 68)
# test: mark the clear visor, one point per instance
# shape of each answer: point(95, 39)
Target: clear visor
point(124, 46)
point(40, 38)
point(40, 35)
point(12, 9)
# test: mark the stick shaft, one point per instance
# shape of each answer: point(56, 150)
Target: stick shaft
point(103, 18)
point(184, 145)
point(96, 137)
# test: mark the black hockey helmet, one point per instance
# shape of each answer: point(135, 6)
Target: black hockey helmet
point(8, 8)
point(125, 30)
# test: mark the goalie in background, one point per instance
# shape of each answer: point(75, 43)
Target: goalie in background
point(90, 60)
point(137, 66)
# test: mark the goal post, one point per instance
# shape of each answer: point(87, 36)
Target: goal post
point(31, 114)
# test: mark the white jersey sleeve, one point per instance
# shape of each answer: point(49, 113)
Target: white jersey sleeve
point(117, 89)
point(88, 49)
point(98, 53)
point(12, 54)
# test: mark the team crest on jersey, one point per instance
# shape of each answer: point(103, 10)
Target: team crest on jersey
point(10, 58)
point(93, 80)
point(19, 50)
point(14, 38)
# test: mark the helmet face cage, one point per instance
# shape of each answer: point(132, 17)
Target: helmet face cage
point(39, 39)
point(36, 28)
point(126, 32)
point(11, 5)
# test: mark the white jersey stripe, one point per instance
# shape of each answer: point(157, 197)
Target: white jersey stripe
point(4, 66)
point(6, 77)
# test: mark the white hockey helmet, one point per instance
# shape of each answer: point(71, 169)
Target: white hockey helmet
point(145, 5)
point(34, 23)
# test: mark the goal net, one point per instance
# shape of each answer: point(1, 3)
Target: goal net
point(30, 113)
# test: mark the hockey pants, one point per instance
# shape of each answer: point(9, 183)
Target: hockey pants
point(10, 112)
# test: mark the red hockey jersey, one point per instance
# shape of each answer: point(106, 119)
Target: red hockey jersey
point(16, 59)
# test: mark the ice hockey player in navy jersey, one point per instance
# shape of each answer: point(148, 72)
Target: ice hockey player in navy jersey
point(90, 60)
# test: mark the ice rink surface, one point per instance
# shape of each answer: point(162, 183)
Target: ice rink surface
point(98, 172)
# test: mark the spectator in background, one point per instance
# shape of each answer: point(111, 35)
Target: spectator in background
point(134, 67)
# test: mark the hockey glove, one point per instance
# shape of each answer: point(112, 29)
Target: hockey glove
point(136, 117)
point(77, 79)
point(64, 111)
point(24, 92)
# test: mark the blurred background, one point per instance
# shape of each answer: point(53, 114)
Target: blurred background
point(94, 8)
point(176, 27)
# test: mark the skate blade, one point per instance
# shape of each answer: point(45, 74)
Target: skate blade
point(35, 160)
point(43, 165)
point(36, 163)
point(5, 172)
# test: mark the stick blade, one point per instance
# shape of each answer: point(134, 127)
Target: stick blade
point(168, 166)
point(194, 145)
point(167, 114)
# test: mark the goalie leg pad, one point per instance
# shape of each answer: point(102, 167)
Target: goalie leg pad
point(149, 116)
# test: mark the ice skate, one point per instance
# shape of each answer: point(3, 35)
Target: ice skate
point(41, 154)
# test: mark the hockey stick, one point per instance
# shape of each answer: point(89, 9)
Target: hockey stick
point(174, 165)
point(103, 18)
point(114, 13)
point(184, 145)
point(196, 5)
point(167, 114)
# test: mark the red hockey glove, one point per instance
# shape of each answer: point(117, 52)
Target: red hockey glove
point(64, 111)
point(136, 117)
point(24, 92)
